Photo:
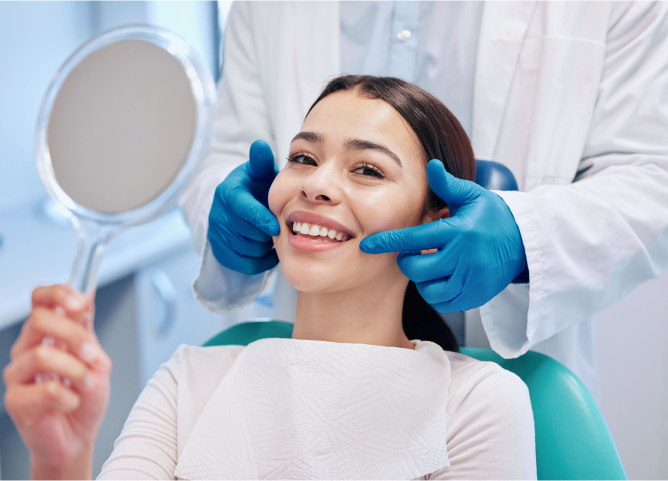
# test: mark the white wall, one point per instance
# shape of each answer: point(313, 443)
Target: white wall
point(632, 351)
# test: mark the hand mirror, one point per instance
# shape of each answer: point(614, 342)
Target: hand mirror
point(122, 130)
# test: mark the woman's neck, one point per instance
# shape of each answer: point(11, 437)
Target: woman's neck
point(361, 316)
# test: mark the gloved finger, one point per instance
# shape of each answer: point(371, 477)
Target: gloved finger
point(261, 161)
point(445, 307)
point(240, 245)
point(458, 304)
point(244, 205)
point(441, 290)
point(422, 237)
point(452, 190)
point(461, 292)
point(426, 267)
point(245, 229)
point(243, 264)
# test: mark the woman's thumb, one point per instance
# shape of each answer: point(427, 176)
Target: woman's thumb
point(261, 161)
point(452, 190)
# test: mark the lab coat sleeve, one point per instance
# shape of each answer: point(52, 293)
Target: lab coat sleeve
point(241, 118)
point(591, 243)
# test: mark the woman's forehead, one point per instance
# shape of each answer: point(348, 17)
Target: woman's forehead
point(345, 115)
point(348, 114)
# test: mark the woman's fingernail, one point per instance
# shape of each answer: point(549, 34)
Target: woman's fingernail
point(88, 352)
point(88, 319)
point(75, 302)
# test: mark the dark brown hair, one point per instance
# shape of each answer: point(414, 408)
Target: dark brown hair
point(442, 138)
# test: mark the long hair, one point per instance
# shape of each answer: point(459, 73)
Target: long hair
point(443, 138)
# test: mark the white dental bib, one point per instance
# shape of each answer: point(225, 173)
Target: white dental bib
point(297, 409)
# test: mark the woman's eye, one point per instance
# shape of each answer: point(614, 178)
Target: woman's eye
point(302, 159)
point(369, 170)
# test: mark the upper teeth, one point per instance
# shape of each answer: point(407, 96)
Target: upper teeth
point(316, 230)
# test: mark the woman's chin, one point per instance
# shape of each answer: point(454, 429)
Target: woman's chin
point(312, 279)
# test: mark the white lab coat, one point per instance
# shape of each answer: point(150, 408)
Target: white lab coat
point(563, 91)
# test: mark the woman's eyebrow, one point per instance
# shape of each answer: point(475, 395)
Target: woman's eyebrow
point(309, 137)
point(359, 144)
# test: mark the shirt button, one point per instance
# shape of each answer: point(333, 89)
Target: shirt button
point(404, 35)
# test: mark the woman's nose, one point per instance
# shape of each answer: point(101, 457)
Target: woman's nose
point(322, 186)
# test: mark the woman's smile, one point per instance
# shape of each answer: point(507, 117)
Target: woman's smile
point(314, 232)
point(355, 169)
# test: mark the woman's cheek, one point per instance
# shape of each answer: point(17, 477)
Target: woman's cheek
point(387, 210)
point(277, 198)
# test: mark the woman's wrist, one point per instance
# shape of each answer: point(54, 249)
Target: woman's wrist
point(79, 467)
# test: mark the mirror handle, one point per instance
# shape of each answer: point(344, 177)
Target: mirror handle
point(92, 238)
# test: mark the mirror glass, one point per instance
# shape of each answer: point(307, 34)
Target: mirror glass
point(122, 126)
point(122, 130)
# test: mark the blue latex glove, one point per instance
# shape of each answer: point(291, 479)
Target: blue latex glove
point(480, 249)
point(240, 223)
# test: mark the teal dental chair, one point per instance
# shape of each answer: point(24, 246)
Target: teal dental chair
point(572, 439)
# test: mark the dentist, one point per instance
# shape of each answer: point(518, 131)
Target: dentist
point(571, 97)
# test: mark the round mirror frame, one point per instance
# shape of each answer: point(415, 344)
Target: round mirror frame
point(204, 94)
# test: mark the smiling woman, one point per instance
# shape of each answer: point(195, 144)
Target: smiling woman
point(356, 393)
point(357, 167)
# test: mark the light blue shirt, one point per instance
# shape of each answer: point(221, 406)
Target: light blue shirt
point(431, 44)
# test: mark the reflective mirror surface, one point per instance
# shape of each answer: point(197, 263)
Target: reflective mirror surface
point(122, 131)
point(122, 126)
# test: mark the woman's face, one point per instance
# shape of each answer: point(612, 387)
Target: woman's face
point(356, 168)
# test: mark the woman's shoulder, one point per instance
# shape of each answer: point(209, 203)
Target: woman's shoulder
point(481, 383)
point(202, 364)
point(195, 355)
point(470, 379)
point(490, 423)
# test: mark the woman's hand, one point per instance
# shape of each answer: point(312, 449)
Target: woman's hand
point(58, 419)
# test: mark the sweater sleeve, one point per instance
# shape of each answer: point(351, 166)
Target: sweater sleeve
point(146, 448)
point(490, 428)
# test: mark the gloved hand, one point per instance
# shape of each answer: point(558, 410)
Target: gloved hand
point(480, 249)
point(240, 223)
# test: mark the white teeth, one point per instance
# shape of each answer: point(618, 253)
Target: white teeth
point(318, 231)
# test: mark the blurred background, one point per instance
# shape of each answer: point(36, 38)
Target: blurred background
point(145, 305)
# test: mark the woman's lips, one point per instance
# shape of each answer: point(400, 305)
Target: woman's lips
point(315, 232)
point(306, 242)
point(312, 218)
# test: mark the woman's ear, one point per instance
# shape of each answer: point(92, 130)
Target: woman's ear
point(433, 215)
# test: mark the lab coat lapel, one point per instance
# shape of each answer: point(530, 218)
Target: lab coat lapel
point(501, 34)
